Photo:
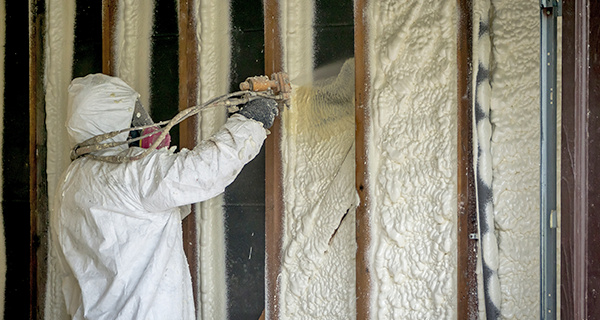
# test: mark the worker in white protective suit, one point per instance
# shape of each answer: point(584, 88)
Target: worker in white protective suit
point(116, 228)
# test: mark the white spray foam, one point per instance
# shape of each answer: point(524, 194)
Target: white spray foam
point(57, 77)
point(318, 259)
point(60, 22)
point(515, 152)
point(296, 23)
point(132, 45)
point(212, 23)
point(412, 159)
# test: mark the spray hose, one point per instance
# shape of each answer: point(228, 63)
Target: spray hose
point(278, 88)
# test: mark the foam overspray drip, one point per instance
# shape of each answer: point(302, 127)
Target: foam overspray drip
point(317, 267)
point(483, 163)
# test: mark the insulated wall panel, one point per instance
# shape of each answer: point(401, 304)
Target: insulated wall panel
point(318, 251)
point(412, 158)
point(514, 116)
point(212, 22)
point(318, 246)
point(58, 56)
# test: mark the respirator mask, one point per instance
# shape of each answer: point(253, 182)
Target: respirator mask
point(141, 118)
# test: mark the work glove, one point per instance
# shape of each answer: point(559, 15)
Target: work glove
point(262, 110)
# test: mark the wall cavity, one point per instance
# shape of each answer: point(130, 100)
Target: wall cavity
point(58, 64)
point(412, 158)
point(489, 294)
point(318, 254)
point(132, 45)
point(296, 23)
point(514, 116)
point(212, 21)
point(60, 23)
point(318, 247)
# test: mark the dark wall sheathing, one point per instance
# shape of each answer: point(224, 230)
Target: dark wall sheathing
point(164, 73)
point(15, 156)
point(87, 46)
point(334, 31)
point(245, 198)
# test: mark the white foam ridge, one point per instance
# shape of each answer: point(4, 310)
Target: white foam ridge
point(212, 23)
point(58, 60)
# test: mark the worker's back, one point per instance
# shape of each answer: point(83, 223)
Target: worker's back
point(127, 261)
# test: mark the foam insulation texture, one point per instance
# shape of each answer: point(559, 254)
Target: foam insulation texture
point(132, 45)
point(489, 293)
point(318, 254)
point(296, 24)
point(412, 158)
point(514, 116)
point(212, 22)
point(58, 51)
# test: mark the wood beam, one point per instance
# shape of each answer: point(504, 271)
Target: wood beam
point(467, 302)
point(109, 12)
point(273, 169)
point(363, 225)
point(188, 96)
point(580, 173)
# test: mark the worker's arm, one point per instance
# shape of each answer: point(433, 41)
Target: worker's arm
point(172, 180)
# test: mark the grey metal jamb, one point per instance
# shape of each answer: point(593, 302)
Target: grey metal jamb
point(549, 11)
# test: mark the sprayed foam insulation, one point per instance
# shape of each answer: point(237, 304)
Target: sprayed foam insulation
point(412, 158)
point(482, 50)
point(132, 45)
point(317, 278)
point(489, 286)
point(58, 61)
point(515, 121)
point(58, 51)
point(212, 22)
point(318, 254)
point(296, 24)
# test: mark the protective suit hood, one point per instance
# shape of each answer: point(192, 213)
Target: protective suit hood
point(99, 104)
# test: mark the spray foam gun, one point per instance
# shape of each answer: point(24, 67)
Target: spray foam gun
point(277, 88)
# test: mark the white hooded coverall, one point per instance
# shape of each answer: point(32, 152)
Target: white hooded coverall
point(116, 228)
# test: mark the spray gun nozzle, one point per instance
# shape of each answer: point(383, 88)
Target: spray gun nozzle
point(278, 86)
